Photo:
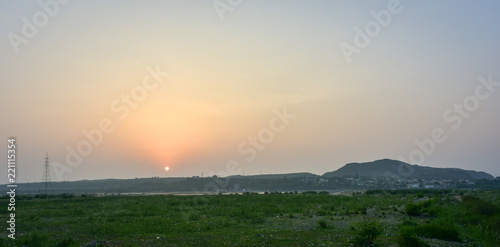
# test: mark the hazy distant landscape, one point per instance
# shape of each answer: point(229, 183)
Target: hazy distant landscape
point(250, 123)
point(380, 203)
point(380, 174)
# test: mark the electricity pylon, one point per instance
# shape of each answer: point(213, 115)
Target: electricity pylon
point(44, 186)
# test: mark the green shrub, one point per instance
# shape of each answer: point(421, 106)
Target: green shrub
point(66, 196)
point(9, 242)
point(439, 231)
point(66, 242)
point(413, 209)
point(367, 232)
point(476, 205)
point(37, 239)
point(363, 211)
point(372, 192)
point(483, 214)
point(408, 238)
point(322, 224)
point(408, 223)
point(310, 192)
point(193, 217)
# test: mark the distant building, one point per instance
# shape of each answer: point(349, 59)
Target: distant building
point(414, 186)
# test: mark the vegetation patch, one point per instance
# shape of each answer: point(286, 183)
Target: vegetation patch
point(366, 233)
point(378, 218)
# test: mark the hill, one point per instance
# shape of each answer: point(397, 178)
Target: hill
point(395, 168)
point(380, 174)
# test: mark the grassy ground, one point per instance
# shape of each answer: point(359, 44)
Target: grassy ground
point(376, 218)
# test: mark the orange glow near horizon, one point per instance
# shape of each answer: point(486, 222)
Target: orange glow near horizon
point(169, 138)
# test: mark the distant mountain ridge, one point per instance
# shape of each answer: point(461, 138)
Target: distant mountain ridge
point(395, 168)
point(372, 175)
point(280, 176)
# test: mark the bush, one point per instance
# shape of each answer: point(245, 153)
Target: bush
point(484, 214)
point(66, 242)
point(367, 232)
point(37, 239)
point(439, 231)
point(363, 211)
point(413, 209)
point(66, 196)
point(408, 223)
point(9, 242)
point(372, 192)
point(477, 206)
point(193, 217)
point(322, 224)
point(310, 192)
point(408, 238)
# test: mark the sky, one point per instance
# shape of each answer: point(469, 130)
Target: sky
point(122, 89)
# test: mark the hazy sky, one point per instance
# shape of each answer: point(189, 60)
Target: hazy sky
point(318, 84)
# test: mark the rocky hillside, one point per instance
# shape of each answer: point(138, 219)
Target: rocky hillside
point(394, 168)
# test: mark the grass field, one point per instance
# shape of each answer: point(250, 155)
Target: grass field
point(374, 218)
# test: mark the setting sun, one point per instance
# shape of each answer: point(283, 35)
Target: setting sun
point(166, 168)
